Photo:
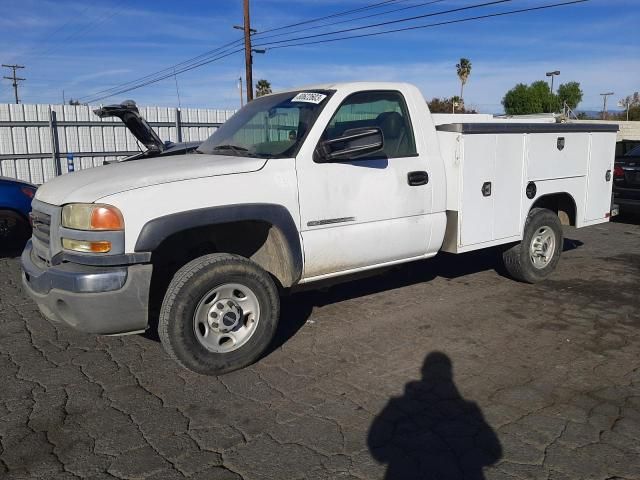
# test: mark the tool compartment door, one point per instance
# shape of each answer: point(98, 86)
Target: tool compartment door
point(476, 209)
point(599, 184)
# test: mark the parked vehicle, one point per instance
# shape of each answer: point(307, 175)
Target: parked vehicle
point(298, 187)
point(626, 181)
point(15, 205)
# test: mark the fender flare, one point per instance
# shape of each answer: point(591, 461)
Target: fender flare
point(155, 231)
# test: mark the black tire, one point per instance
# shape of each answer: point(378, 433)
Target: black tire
point(189, 287)
point(518, 260)
point(14, 230)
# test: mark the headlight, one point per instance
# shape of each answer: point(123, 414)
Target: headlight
point(92, 216)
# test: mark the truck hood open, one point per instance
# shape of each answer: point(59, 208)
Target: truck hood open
point(129, 114)
point(94, 183)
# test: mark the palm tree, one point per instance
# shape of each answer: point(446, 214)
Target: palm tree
point(263, 87)
point(464, 70)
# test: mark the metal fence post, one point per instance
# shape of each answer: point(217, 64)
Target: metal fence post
point(55, 146)
point(178, 125)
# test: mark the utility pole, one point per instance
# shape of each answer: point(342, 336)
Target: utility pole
point(248, 51)
point(604, 104)
point(248, 60)
point(240, 89)
point(15, 79)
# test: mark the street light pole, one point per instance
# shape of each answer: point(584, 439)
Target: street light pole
point(552, 74)
point(625, 103)
point(240, 89)
point(604, 104)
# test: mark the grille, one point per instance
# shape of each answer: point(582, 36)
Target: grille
point(41, 223)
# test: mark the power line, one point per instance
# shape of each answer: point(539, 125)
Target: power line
point(170, 74)
point(15, 79)
point(279, 44)
point(132, 84)
point(417, 27)
point(334, 15)
point(390, 22)
point(371, 15)
point(220, 49)
point(217, 50)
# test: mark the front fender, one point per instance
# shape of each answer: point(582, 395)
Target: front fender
point(155, 231)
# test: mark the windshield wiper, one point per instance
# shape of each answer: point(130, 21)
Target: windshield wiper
point(233, 148)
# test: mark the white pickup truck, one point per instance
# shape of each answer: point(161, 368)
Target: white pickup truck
point(297, 187)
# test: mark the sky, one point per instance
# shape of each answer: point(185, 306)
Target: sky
point(80, 47)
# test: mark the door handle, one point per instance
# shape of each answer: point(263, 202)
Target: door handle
point(417, 178)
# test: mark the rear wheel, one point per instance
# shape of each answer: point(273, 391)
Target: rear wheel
point(537, 255)
point(219, 314)
point(14, 229)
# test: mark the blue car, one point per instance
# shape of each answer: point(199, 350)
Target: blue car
point(15, 205)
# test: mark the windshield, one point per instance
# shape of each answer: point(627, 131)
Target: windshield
point(273, 126)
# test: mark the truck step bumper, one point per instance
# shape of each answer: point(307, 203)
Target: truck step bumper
point(100, 300)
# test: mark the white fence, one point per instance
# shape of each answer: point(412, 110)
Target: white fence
point(38, 142)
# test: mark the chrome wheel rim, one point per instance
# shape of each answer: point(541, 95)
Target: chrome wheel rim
point(226, 317)
point(543, 247)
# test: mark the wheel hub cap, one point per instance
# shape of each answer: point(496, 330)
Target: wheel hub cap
point(226, 317)
point(543, 247)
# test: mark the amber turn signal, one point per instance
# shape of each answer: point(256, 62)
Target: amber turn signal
point(106, 217)
point(86, 246)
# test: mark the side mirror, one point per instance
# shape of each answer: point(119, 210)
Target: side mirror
point(352, 145)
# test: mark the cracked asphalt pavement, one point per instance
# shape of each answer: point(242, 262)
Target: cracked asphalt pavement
point(441, 369)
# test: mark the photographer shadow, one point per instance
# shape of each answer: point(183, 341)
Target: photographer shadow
point(432, 432)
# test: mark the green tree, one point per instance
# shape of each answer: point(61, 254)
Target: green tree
point(537, 98)
point(520, 100)
point(631, 105)
point(463, 69)
point(445, 105)
point(263, 87)
point(569, 93)
point(634, 113)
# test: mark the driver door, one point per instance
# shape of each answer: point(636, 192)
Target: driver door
point(361, 212)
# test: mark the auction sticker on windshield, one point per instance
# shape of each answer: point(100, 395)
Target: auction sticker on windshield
point(309, 97)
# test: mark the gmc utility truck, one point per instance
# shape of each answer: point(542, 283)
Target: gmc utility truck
point(297, 187)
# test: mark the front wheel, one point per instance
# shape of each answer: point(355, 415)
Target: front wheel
point(219, 314)
point(537, 255)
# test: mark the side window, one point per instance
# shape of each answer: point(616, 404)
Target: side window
point(384, 109)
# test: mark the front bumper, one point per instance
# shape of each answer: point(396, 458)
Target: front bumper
point(103, 300)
